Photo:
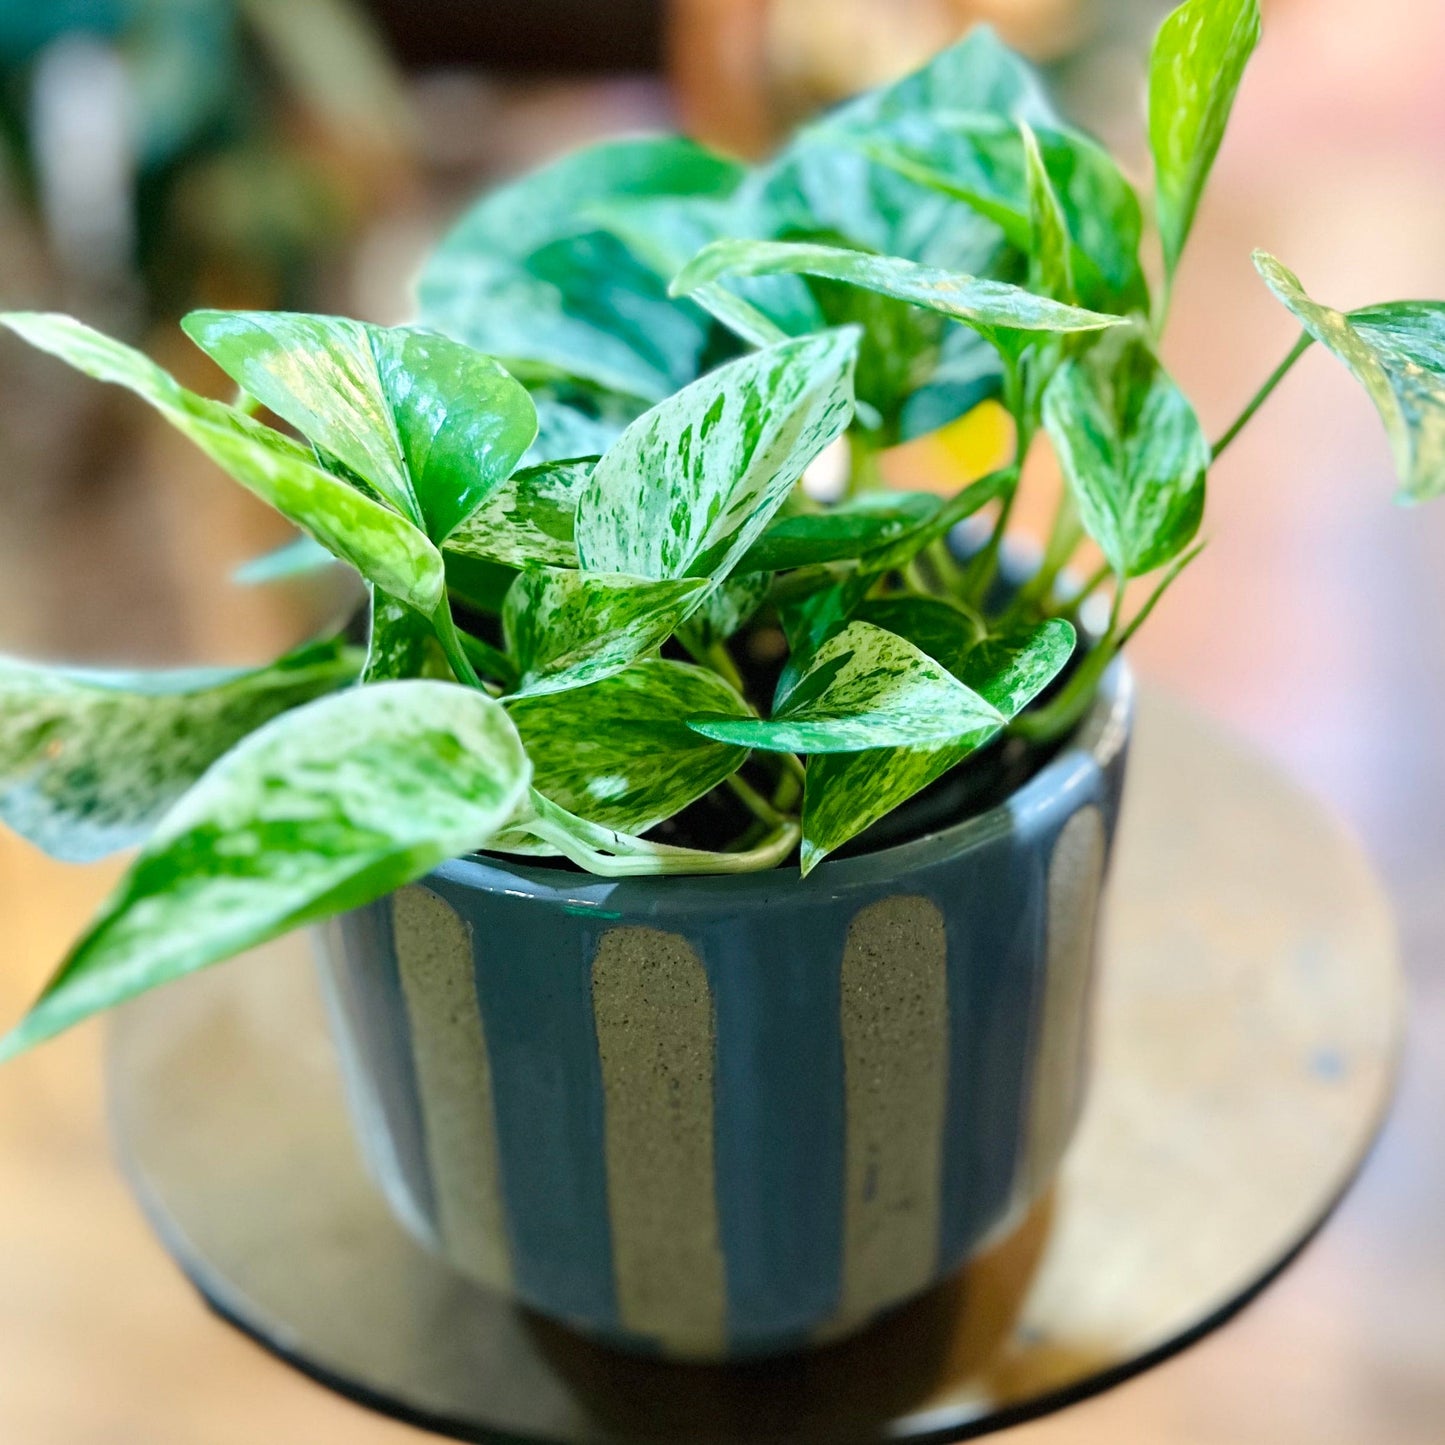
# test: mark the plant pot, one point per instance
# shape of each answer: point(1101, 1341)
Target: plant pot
point(718, 1117)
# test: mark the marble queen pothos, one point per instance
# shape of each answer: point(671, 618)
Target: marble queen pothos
point(598, 591)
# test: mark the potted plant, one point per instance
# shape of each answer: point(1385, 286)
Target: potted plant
point(710, 873)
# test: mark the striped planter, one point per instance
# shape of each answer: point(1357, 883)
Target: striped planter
point(717, 1117)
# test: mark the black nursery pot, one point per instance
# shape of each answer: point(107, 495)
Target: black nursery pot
point(717, 1117)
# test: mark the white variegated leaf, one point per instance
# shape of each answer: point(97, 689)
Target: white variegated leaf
point(323, 809)
point(688, 487)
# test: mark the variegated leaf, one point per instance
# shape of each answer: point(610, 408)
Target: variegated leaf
point(526, 276)
point(382, 545)
point(619, 752)
point(1199, 60)
point(566, 628)
point(846, 793)
point(864, 688)
point(995, 309)
point(323, 809)
point(1134, 456)
point(1397, 353)
point(839, 533)
point(689, 486)
point(89, 760)
point(402, 643)
point(430, 424)
point(531, 517)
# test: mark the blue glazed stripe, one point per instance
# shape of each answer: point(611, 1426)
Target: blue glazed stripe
point(534, 987)
point(779, 1120)
point(370, 994)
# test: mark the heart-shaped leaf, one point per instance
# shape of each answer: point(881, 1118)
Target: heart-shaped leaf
point(842, 532)
point(690, 485)
point(526, 275)
point(944, 630)
point(992, 308)
point(531, 517)
point(323, 809)
point(89, 761)
point(864, 688)
point(1397, 353)
point(1199, 59)
point(1134, 456)
point(619, 752)
point(382, 545)
point(429, 423)
point(848, 792)
point(566, 628)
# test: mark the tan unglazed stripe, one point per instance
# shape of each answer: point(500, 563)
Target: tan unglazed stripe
point(655, 1036)
point(1075, 875)
point(895, 1052)
point(454, 1076)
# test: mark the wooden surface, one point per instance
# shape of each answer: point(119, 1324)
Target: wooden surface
point(1249, 1018)
point(1315, 624)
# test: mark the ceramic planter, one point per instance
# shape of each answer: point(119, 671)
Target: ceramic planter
point(730, 1116)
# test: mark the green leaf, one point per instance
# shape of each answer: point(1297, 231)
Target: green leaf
point(1397, 353)
point(89, 761)
point(324, 809)
point(688, 487)
point(402, 644)
point(947, 632)
point(297, 558)
point(1051, 268)
point(842, 532)
point(383, 546)
point(864, 688)
point(992, 308)
point(980, 161)
point(821, 183)
point(566, 629)
point(726, 608)
point(846, 793)
point(1194, 75)
point(531, 517)
point(527, 276)
point(1133, 454)
point(619, 752)
point(429, 423)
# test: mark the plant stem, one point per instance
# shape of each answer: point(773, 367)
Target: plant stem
point(754, 801)
point(1263, 394)
point(792, 780)
point(984, 567)
point(721, 661)
point(446, 631)
point(864, 474)
point(644, 859)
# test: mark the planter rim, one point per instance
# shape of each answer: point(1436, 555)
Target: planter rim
point(1095, 742)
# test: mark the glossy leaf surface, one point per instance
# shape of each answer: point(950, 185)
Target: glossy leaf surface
point(323, 809)
point(1134, 456)
point(1397, 353)
point(989, 307)
point(690, 485)
point(430, 424)
point(1199, 60)
point(619, 752)
point(381, 544)
point(842, 532)
point(566, 628)
point(90, 761)
point(845, 793)
point(531, 517)
point(864, 688)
